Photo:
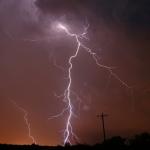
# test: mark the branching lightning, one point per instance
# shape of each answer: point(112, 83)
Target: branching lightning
point(26, 120)
point(68, 132)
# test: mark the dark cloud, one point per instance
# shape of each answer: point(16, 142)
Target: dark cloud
point(131, 13)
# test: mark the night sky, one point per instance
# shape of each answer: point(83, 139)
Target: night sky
point(34, 62)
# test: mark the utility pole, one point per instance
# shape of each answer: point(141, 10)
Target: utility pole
point(102, 116)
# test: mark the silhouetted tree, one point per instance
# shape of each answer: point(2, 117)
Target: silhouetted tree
point(116, 142)
point(141, 141)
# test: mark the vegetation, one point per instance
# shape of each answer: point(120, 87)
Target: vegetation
point(139, 142)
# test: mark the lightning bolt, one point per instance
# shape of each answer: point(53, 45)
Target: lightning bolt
point(68, 132)
point(25, 119)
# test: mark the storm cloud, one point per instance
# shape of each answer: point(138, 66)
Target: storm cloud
point(131, 13)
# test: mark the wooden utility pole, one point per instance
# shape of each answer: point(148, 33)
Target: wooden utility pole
point(102, 116)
